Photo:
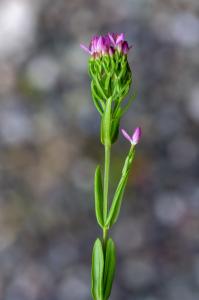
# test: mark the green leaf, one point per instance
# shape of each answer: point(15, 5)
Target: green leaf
point(109, 268)
point(114, 129)
point(99, 88)
point(107, 81)
point(96, 99)
point(98, 196)
point(94, 76)
point(97, 271)
point(117, 199)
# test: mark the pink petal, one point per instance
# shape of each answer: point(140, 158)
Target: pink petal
point(99, 44)
point(136, 136)
point(93, 45)
point(120, 38)
point(126, 135)
point(112, 39)
point(85, 48)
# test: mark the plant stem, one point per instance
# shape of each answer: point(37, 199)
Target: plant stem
point(105, 235)
point(106, 186)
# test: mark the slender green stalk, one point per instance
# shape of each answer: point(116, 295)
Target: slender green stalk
point(106, 186)
point(105, 236)
point(106, 179)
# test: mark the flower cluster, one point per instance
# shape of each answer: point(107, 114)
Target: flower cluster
point(111, 80)
point(107, 45)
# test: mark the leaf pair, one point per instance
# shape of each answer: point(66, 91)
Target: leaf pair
point(103, 269)
point(118, 196)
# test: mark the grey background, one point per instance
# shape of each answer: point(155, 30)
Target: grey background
point(49, 147)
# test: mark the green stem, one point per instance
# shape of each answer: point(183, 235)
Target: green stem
point(105, 236)
point(106, 186)
point(106, 180)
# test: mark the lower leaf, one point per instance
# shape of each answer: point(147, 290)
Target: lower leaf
point(109, 268)
point(97, 271)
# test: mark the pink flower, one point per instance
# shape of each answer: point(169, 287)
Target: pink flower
point(135, 138)
point(107, 45)
point(97, 46)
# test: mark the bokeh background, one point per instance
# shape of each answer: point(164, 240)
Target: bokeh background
point(49, 147)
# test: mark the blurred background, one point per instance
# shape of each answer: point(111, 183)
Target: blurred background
point(49, 147)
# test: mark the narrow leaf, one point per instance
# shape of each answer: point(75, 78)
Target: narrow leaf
point(109, 268)
point(96, 99)
point(107, 81)
point(98, 196)
point(114, 129)
point(93, 74)
point(117, 199)
point(97, 271)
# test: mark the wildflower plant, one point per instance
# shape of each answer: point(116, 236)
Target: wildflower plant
point(111, 79)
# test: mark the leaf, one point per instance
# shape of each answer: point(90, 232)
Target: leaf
point(97, 271)
point(109, 268)
point(114, 129)
point(107, 81)
point(117, 199)
point(98, 196)
point(96, 99)
point(94, 74)
point(99, 88)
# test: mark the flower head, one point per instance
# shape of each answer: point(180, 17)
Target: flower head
point(135, 138)
point(107, 45)
point(111, 77)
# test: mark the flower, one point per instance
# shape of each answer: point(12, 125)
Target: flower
point(135, 138)
point(107, 45)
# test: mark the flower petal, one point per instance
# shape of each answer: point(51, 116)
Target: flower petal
point(85, 48)
point(120, 38)
point(126, 135)
point(112, 38)
point(99, 44)
point(136, 136)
